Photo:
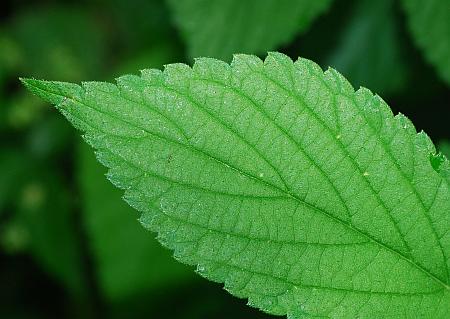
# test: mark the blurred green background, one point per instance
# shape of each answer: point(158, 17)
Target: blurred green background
point(69, 246)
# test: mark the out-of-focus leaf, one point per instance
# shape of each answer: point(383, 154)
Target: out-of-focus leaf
point(195, 300)
point(39, 218)
point(58, 41)
point(13, 168)
point(14, 237)
point(429, 22)
point(142, 23)
point(41, 140)
point(44, 218)
point(444, 147)
point(155, 57)
point(46, 213)
point(369, 50)
point(61, 42)
point(20, 111)
point(219, 29)
point(10, 56)
point(128, 260)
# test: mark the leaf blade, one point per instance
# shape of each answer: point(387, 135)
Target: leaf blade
point(305, 193)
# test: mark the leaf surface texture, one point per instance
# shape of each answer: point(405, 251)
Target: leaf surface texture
point(278, 180)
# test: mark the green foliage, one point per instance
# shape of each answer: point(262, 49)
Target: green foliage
point(9, 57)
point(429, 22)
point(61, 35)
point(156, 56)
point(278, 180)
point(370, 48)
point(74, 51)
point(45, 215)
point(130, 263)
point(444, 147)
point(153, 27)
point(128, 260)
point(219, 29)
point(12, 172)
point(43, 223)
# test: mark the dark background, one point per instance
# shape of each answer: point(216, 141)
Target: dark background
point(69, 248)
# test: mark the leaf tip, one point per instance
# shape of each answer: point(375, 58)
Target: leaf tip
point(29, 83)
point(52, 91)
point(38, 88)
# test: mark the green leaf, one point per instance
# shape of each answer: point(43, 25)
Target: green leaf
point(153, 27)
point(61, 34)
point(429, 22)
point(129, 262)
point(370, 48)
point(218, 28)
point(9, 57)
point(278, 180)
point(43, 224)
point(13, 172)
point(444, 147)
point(157, 55)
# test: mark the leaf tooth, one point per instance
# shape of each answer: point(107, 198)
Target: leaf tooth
point(307, 64)
point(213, 68)
point(405, 124)
point(246, 62)
point(282, 74)
point(338, 82)
point(424, 142)
point(177, 75)
point(131, 87)
point(152, 76)
point(176, 70)
point(280, 57)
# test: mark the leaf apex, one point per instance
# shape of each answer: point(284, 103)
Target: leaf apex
point(52, 91)
point(30, 83)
